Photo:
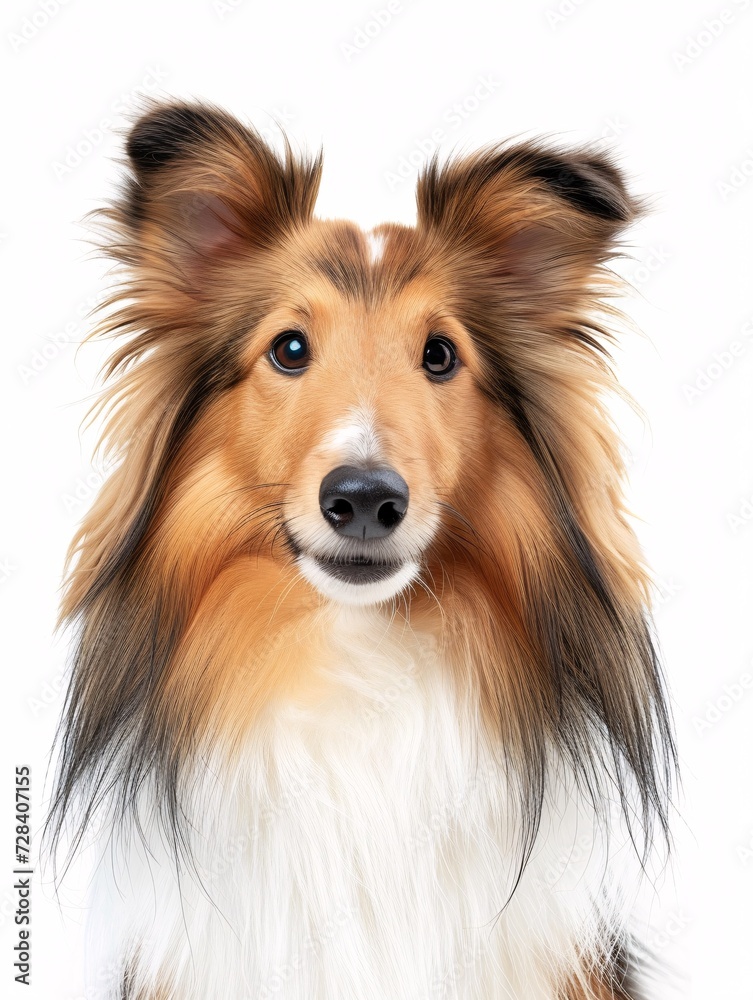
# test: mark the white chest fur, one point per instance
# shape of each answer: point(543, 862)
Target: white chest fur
point(360, 849)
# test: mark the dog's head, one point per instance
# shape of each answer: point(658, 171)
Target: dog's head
point(413, 413)
point(359, 391)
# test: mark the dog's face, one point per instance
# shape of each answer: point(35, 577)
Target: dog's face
point(357, 401)
point(360, 401)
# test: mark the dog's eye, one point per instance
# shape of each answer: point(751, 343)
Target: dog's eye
point(440, 359)
point(290, 352)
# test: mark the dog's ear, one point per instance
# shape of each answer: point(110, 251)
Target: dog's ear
point(529, 222)
point(202, 189)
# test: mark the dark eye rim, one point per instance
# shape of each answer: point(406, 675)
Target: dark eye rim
point(280, 339)
point(453, 370)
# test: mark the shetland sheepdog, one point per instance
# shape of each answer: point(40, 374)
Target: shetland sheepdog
point(364, 698)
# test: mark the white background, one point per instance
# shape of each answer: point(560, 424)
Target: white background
point(669, 94)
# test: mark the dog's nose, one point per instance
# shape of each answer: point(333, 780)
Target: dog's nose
point(363, 503)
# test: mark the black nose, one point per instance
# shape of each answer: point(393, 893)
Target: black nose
point(363, 503)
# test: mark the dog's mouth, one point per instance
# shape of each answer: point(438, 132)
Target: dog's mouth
point(358, 569)
point(353, 578)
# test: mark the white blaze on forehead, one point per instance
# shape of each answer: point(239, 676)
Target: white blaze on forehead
point(355, 439)
point(375, 243)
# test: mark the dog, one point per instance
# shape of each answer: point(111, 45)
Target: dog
point(364, 699)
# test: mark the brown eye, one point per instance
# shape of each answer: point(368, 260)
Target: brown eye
point(290, 352)
point(440, 359)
